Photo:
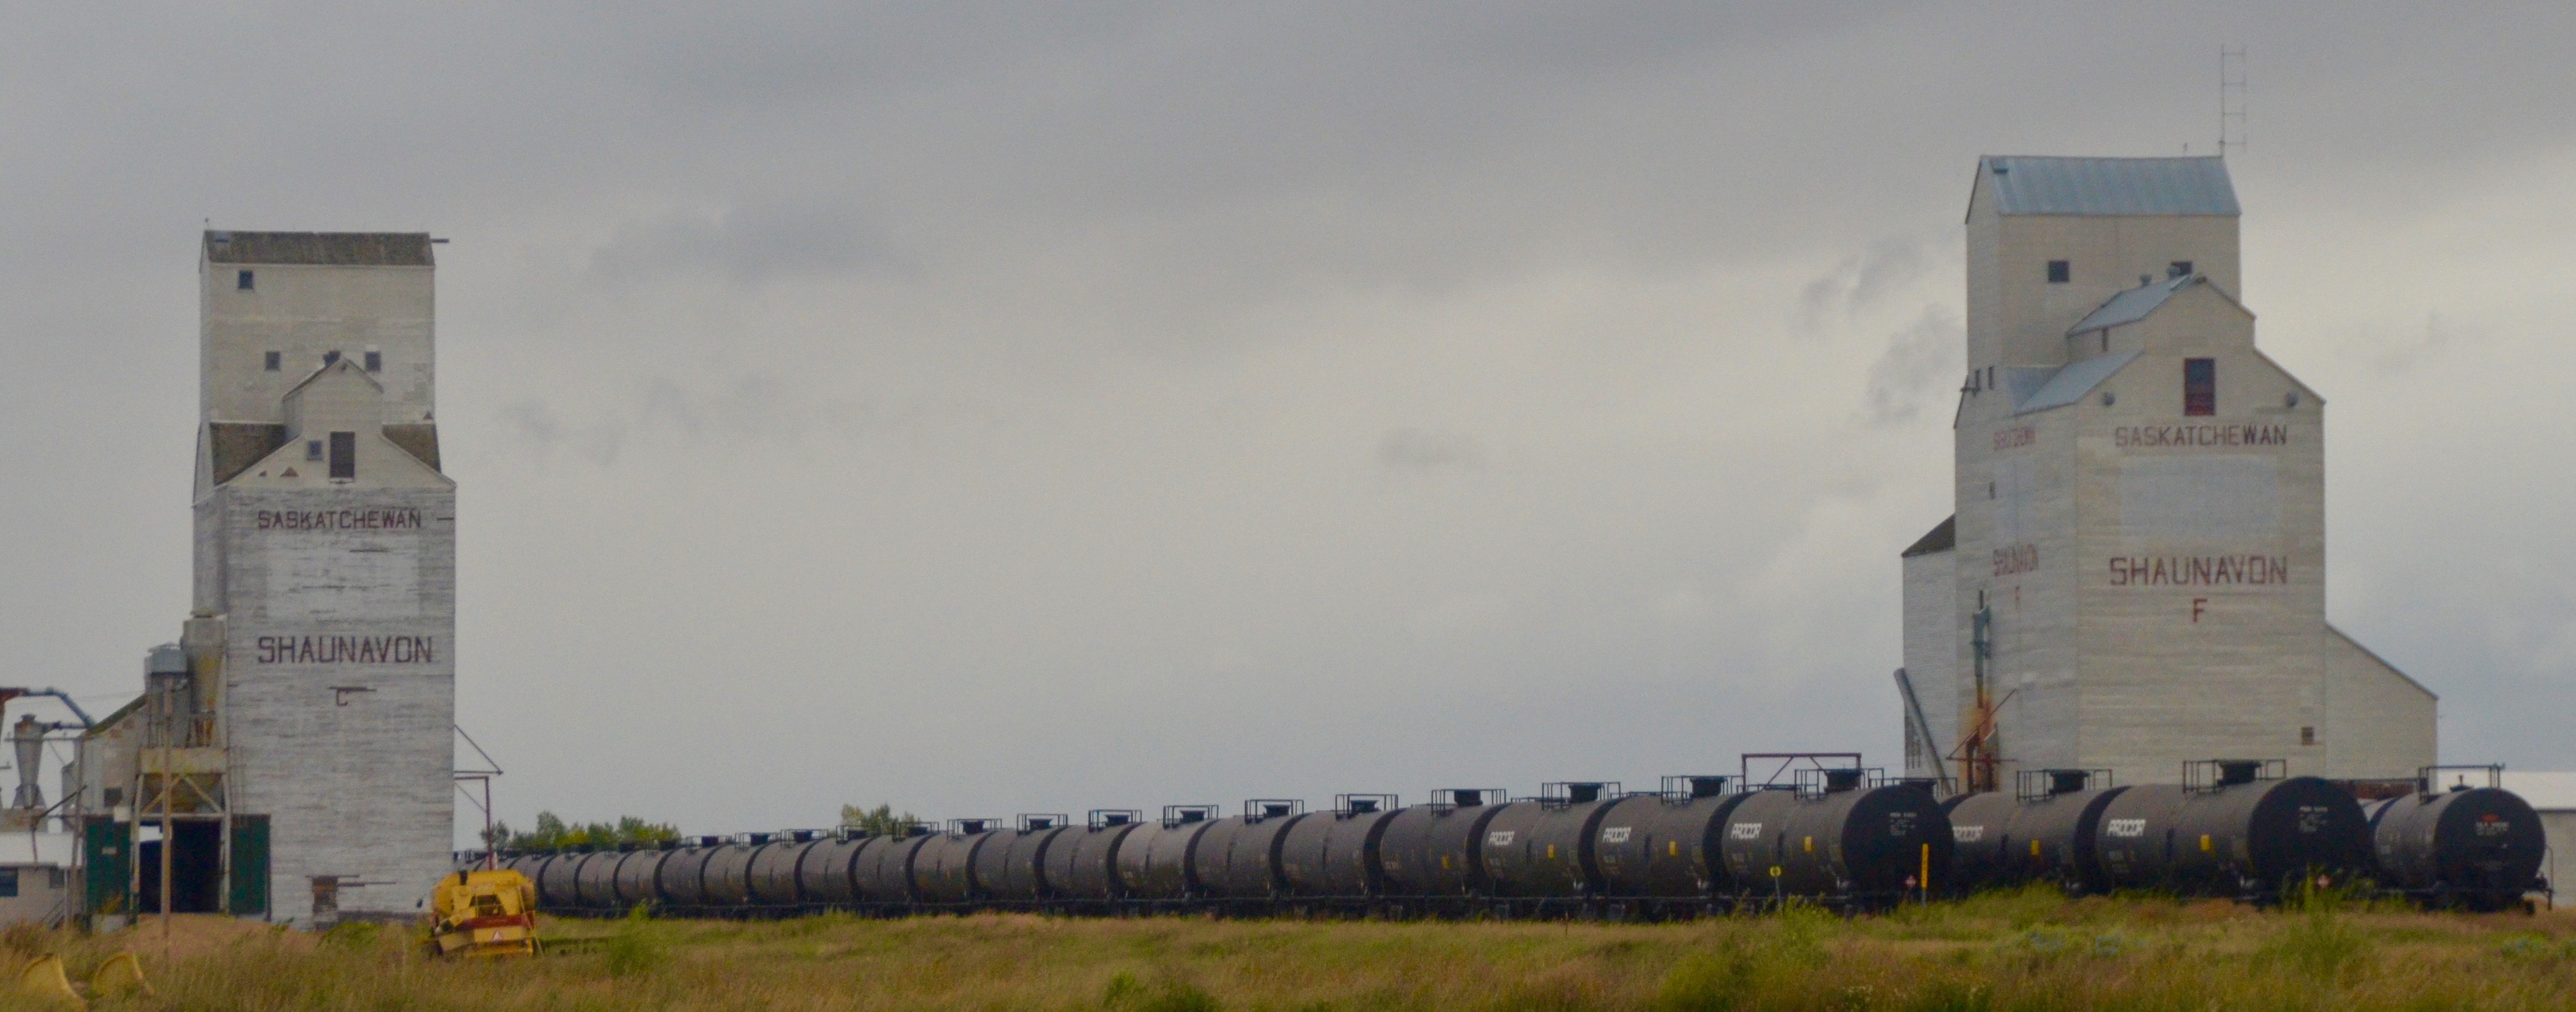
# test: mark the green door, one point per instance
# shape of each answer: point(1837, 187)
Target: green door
point(108, 854)
point(249, 893)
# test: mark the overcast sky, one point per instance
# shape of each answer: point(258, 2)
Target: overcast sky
point(992, 409)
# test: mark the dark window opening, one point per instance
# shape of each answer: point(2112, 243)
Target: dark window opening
point(275, 360)
point(242, 281)
point(2178, 268)
point(2060, 272)
point(8, 881)
point(2307, 736)
point(375, 361)
point(330, 357)
point(2200, 386)
point(312, 449)
point(196, 869)
point(344, 455)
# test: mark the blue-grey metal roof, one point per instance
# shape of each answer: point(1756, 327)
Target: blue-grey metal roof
point(2131, 306)
point(2072, 382)
point(2030, 184)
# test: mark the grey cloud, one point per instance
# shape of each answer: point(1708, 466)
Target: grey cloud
point(1863, 280)
point(1917, 368)
point(748, 245)
point(1428, 450)
point(1094, 335)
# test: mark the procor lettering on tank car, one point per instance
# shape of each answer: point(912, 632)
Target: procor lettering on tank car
point(1842, 837)
point(1658, 853)
point(2045, 830)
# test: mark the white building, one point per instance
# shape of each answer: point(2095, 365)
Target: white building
point(300, 735)
point(2553, 795)
point(2135, 569)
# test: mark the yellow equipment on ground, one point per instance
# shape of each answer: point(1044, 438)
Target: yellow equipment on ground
point(485, 913)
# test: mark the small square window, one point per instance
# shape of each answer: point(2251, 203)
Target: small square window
point(8, 881)
point(312, 449)
point(2178, 268)
point(242, 281)
point(2060, 272)
point(274, 361)
point(2307, 736)
point(2200, 386)
point(330, 358)
point(375, 361)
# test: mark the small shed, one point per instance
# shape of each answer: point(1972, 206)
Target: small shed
point(35, 877)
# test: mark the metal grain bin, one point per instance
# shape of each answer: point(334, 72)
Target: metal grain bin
point(827, 870)
point(1155, 861)
point(2232, 828)
point(1434, 850)
point(638, 875)
point(885, 868)
point(774, 869)
point(1666, 845)
point(1083, 863)
point(1012, 867)
point(1543, 848)
point(2479, 847)
point(1335, 854)
point(944, 870)
point(728, 871)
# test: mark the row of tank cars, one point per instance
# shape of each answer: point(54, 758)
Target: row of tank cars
point(1841, 837)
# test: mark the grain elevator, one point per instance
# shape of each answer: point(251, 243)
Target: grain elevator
point(297, 741)
point(2134, 573)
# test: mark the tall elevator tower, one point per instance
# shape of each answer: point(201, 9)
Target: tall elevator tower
point(2134, 573)
point(300, 739)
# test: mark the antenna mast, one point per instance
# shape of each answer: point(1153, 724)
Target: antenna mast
point(2231, 100)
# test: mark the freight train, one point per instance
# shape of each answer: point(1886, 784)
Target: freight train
point(1844, 838)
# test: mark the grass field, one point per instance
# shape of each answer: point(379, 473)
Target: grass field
point(2023, 951)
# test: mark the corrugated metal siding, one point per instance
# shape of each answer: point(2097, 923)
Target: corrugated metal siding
point(2027, 184)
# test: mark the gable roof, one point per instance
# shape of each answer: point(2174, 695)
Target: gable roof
point(343, 365)
point(1943, 537)
point(2071, 382)
point(2131, 306)
point(2141, 302)
point(2031, 184)
point(336, 249)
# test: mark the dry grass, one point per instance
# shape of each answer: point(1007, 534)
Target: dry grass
point(2018, 951)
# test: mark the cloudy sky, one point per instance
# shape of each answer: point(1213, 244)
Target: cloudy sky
point(993, 409)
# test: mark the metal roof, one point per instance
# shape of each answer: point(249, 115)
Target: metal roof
point(2029, 184)
point(1943, 537)
point(2131, 306)
point(2069, 385)
point(340, 249)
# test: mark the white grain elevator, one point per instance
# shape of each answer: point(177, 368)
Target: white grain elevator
point(2133, 576)
point(299, 738)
